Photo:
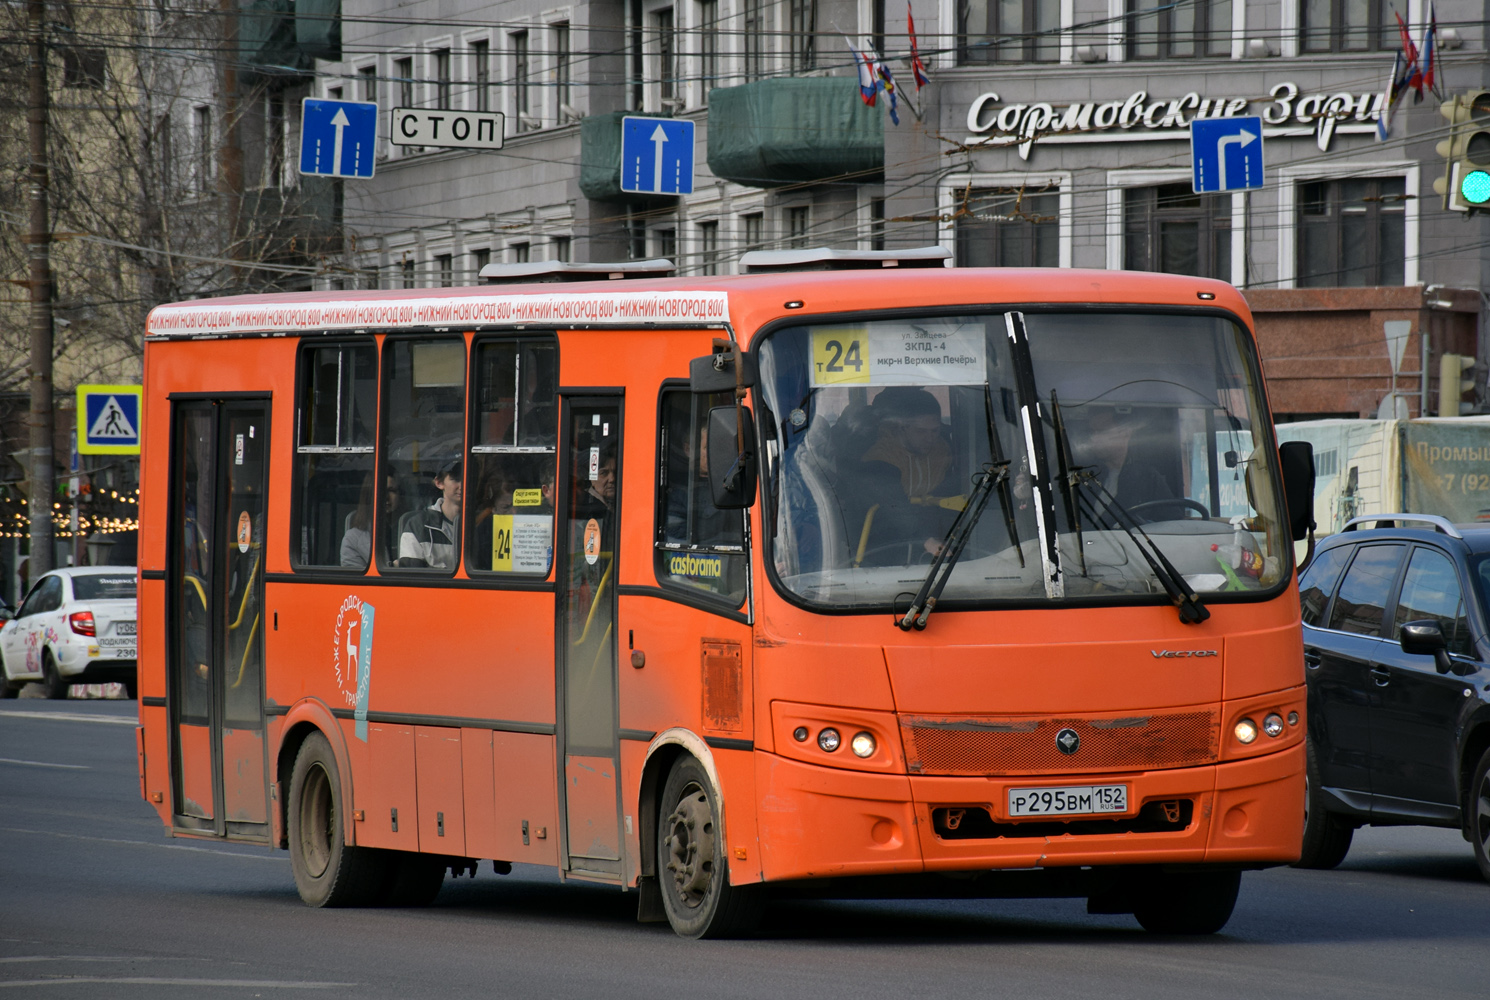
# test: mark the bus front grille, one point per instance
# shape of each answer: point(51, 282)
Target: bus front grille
point(1019, 745)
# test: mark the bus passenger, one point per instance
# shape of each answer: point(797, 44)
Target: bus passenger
point(356, 539)
point(1111, 447)
point(426, 538)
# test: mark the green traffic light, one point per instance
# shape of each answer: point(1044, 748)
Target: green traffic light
point(1475, 187)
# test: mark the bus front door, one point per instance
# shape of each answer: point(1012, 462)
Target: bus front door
point(215, 659)
point(589, 752)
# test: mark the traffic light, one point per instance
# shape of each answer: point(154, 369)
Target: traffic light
point(1453, 384)
point(1465, 185)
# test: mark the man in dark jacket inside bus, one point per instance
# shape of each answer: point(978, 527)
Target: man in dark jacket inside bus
point(428, 537)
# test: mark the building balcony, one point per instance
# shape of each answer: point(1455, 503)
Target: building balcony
point(288, 36)
point(792, 131)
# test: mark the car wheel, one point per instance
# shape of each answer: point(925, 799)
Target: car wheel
point(8, 687)
point(1479, 813)
point(1192, 903)
point(52, 683)
point(1326, 836)
point(328, 871)
point(691, 867)
point(132, 690)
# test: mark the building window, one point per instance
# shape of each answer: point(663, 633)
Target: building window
point(796, 226)
point(1179, 31)
point(1348, 26)
point(520, 253)
point(445, 269)
point(1008, 31)
point(708, 246)
point(1170, 228)
point(636, 231)
point(667, 71)
point(367, 77)
point(205, 147)
point(667, 243)
point(479, 260)
point(708, 45)
point(754, 226)
point(442, 78)
point(481, 74)
point(82, 67)
point(1352, 232)
point(754, 30)
point(802, 32)
point(335, 487)
point(1006, 227)
point(409, 279)
point(877, 24)
point(369, 280)
point(560, 248)
point(521, 94)
point(274, 139)
point(563, 72)
point(403, 70)
point(876, 223)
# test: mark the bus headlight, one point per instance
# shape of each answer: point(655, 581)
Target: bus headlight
point(863, 745)
point(1245, 731)
point(829, 740)
point(1273, 725)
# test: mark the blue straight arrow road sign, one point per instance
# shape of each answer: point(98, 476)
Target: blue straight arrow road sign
point(1226, 154)
point(338, 138)
point(656, 155)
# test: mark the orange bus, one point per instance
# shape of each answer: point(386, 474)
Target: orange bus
point(855, 575)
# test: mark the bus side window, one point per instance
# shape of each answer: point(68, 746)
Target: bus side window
point(513, 437)
point(334, 456)
point(699, 548)
point(424, 390)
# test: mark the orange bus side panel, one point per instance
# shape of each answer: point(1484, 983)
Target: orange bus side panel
point(590, 790)
point(736, 770)
point(1258, 662)
point(442, 817)
point(196, 770)
point(818, 673)
point(817, 822)
point(525, 790)
point(386, 787)
point(243, 776)
point(479, 791)
point(633, 760)
point(676, 641)
point(157, 761)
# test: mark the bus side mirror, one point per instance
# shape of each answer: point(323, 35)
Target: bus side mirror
point(716, 372)
point(731, 471)
point(1297, 460)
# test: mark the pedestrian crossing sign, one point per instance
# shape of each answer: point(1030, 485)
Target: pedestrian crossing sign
point(108, 418)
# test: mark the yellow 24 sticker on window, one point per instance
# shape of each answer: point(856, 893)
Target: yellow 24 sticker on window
point(840, 357)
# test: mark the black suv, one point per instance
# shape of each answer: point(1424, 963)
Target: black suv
point(1397, 658)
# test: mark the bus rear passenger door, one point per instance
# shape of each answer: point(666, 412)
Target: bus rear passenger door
point(219, 476)
point(589, 754)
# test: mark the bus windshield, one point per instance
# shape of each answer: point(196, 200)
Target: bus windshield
point(1110, 436)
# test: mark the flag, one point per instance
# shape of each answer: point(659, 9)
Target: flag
point(1396, 84)
point(1430, 53)
point(868, 83)
point(887, 84)
point(1410, 53)
point(918, 69)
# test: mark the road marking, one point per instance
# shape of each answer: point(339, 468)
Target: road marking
point(42, 763)
point(97, 958)
point(146, 843)
point(266, 984)
point(117, 720)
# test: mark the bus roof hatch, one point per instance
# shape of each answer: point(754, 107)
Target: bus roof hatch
point(825, 259)
point(544, 271)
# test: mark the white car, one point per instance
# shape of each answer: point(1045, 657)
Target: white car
point(76, 626)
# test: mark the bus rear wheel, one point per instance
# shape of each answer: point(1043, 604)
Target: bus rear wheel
point(328, 871)
point(1189, 903)
point(691, 867)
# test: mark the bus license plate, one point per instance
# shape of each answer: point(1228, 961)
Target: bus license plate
point(1080, 800)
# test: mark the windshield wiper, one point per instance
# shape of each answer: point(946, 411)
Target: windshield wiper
point(1068, 480)
point(995, 475)
point(1192, 611)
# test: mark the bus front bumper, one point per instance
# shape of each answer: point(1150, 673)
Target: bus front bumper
point(818, 822)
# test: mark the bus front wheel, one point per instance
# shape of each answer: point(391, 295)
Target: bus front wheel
point(691, 867)
point(1188, 903)
point(328, 871)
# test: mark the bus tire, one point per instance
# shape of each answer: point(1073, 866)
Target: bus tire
point(52, 683)
point(1326, 836)
point(691, 867)
point(413, 879)
point(1189, 903)
point(328, 871)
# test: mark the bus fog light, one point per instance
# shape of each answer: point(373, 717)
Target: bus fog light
point(1246, 731)
point(1293, 718)
point(800, 734)
point(863, 745)
point(829, 740)
point(1273, 725)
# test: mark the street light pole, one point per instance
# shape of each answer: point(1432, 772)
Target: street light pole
point(39, 251)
